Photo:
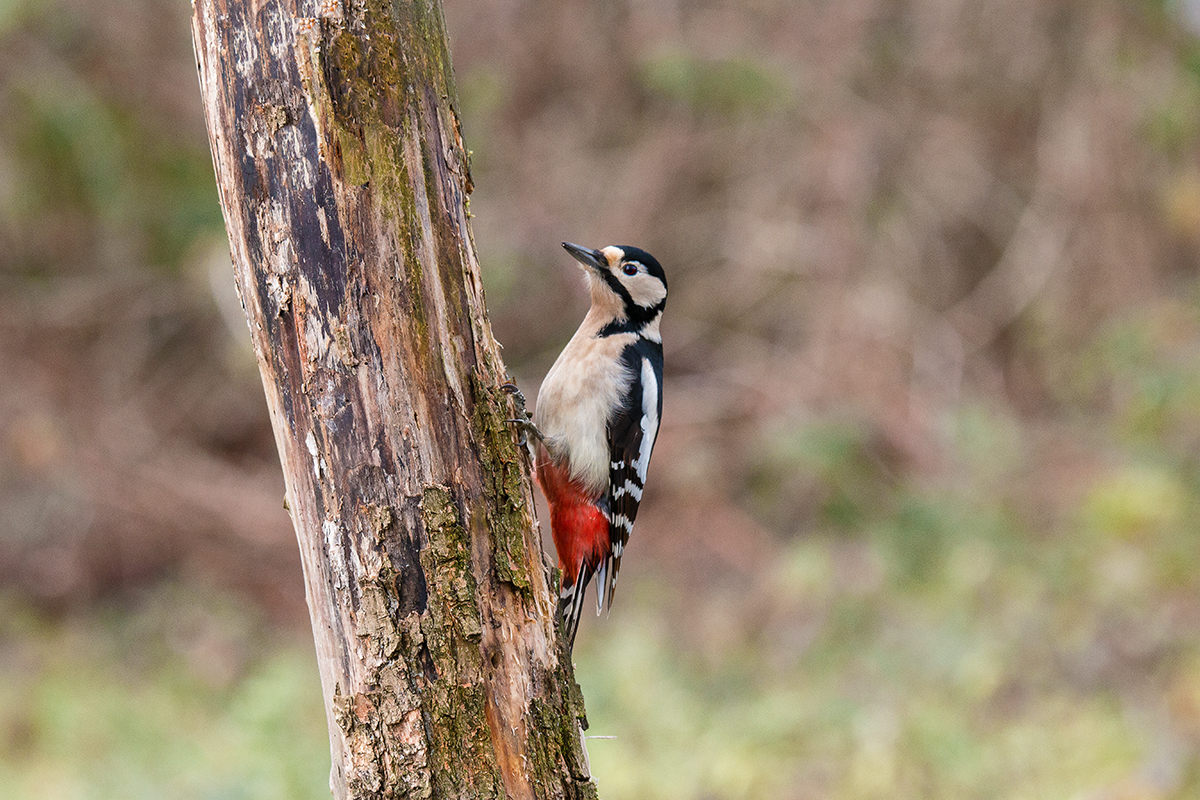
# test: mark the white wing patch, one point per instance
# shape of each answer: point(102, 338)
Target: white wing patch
point(649, 418)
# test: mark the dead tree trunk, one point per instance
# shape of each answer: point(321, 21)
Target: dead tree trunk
point(344, 182)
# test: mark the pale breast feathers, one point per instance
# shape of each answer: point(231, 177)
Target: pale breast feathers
point(576, 399)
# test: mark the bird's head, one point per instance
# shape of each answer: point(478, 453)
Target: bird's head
point(626, 281)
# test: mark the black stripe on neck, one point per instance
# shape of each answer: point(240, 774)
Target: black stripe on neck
point(618, 288)
point(636, 319)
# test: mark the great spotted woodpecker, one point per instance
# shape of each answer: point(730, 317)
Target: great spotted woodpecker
point(597, 417)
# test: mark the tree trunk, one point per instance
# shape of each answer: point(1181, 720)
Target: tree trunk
point(344, 182)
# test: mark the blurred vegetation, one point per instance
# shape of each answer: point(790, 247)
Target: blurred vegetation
point(924, 514)
point(172, 694)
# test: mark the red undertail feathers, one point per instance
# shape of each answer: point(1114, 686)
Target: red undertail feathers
point(581, 535)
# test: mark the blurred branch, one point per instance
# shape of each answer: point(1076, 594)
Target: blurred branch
point(1033, 253)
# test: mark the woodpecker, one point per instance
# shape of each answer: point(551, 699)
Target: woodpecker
point(597, 416)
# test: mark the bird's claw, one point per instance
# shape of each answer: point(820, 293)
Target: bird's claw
point(523, 421)
point(517, 395)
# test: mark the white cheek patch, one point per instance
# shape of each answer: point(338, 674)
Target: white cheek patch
point(645, 290)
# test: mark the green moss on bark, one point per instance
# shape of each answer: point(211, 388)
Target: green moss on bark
point(556, 724)
point(507, 514)
point(447, 565)
point(460, 736)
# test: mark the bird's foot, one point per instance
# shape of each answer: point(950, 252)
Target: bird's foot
point(523, 420)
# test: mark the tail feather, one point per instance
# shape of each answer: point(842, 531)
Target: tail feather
point(601, 584)
point(613, 562)
point(570, 604)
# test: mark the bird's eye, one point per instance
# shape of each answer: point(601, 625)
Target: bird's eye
point(630, 269)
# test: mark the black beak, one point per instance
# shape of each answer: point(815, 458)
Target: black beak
point(586, 256)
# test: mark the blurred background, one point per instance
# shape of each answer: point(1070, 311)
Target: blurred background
point(923, 518)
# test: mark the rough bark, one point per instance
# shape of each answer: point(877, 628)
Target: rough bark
point(344, 182)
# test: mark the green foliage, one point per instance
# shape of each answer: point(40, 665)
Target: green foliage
point(826, 467)
point(727, 87)
point(178, 697)
point(982, 630)
point(1172, 123)
point(1144, 373)
point(953, 647)
point(1135, 501)
point(913, 705)
point(96, 177)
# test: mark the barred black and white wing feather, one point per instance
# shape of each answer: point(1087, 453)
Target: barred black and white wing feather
point(631, 436)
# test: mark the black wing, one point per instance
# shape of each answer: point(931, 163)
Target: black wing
point(631, 436)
